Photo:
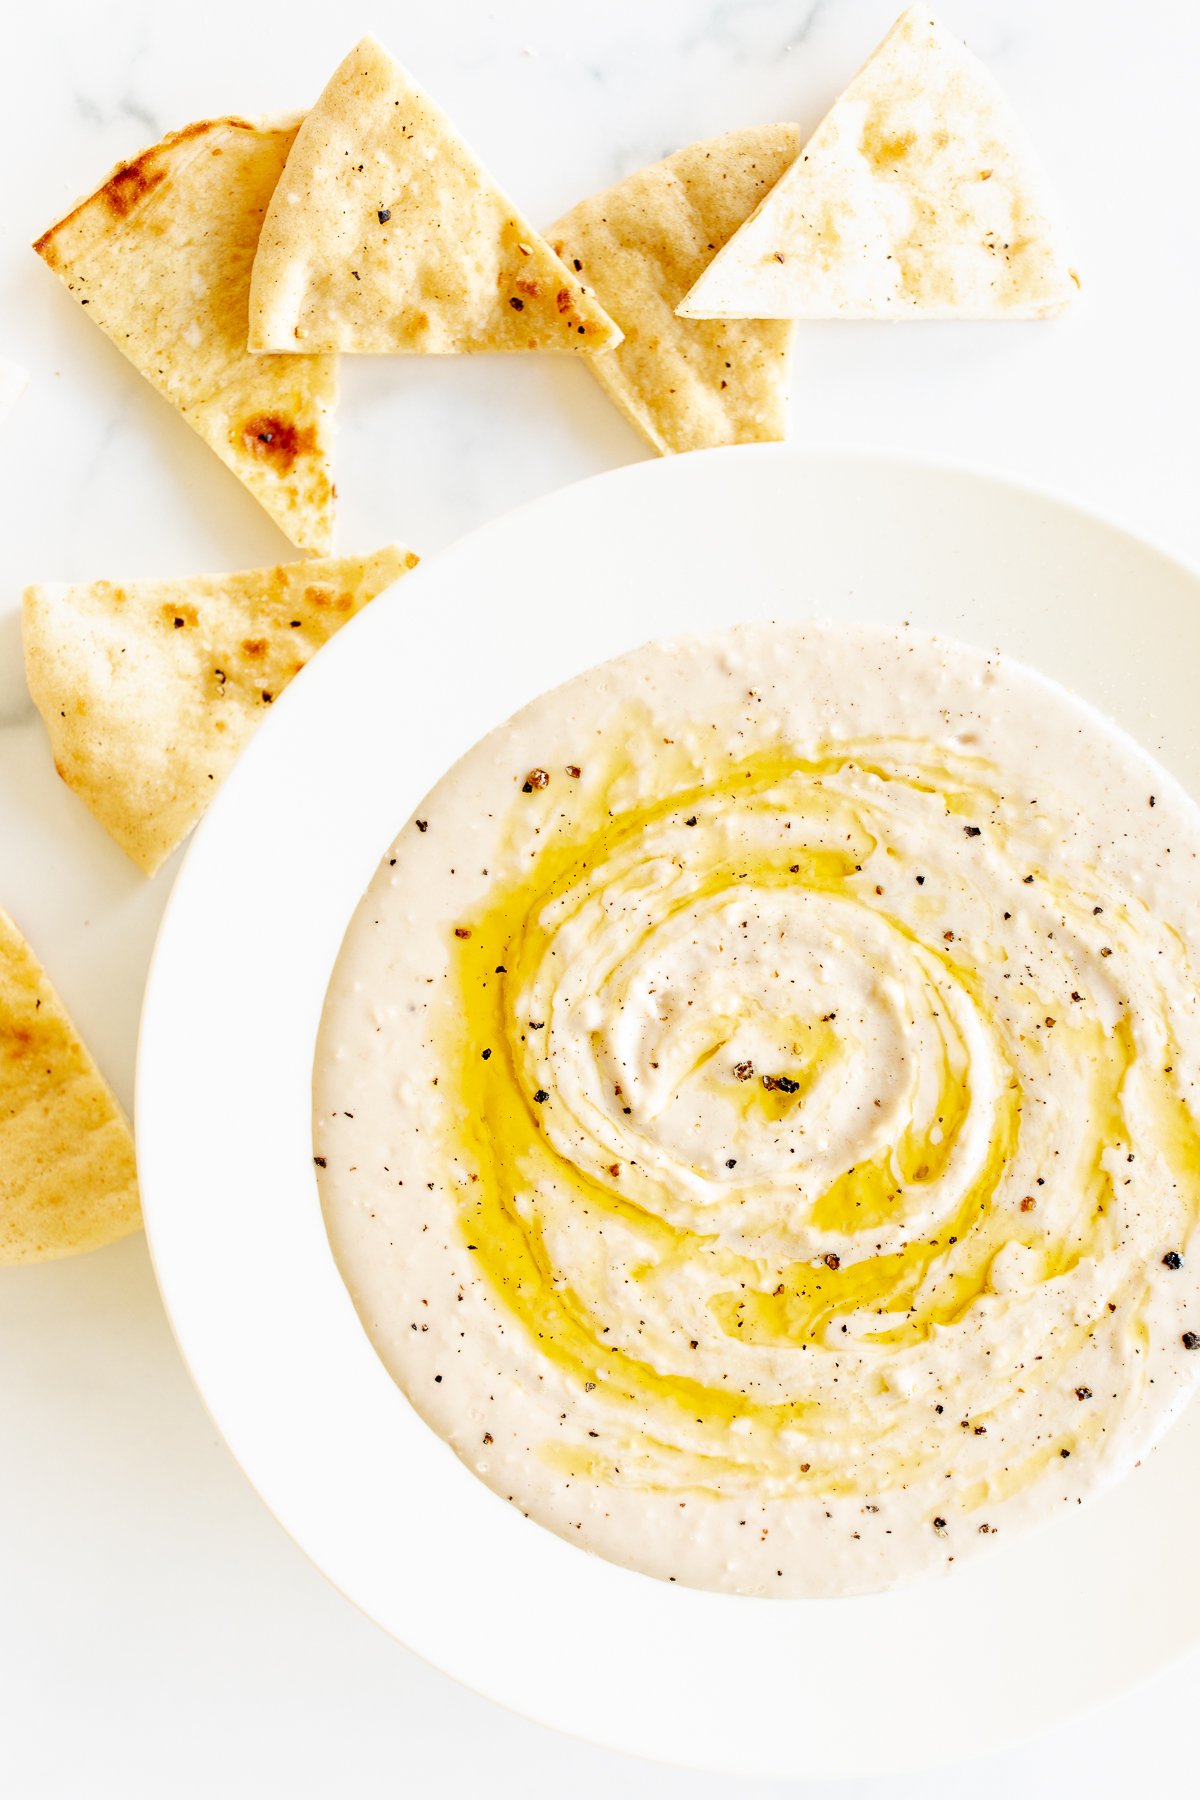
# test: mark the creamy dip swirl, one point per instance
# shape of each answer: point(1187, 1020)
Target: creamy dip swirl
point(756, 1107)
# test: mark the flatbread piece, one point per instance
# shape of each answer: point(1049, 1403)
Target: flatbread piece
point(916, 197)
point(685, 384)
point(160, 256)
point(387, 234)
point(68, 1180)
point(150, 690)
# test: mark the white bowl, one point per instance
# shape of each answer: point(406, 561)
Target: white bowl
point(963, 1664)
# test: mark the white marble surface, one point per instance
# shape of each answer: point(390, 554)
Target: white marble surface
point(158, 1634)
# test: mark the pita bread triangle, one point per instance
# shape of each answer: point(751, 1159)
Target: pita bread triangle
point(916, 197)
point(150, 690)
point(68, 1180)
point(685, 384)
point(160, 256)
point(386, 234)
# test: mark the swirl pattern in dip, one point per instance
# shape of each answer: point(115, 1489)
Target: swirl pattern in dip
point(756, 1107)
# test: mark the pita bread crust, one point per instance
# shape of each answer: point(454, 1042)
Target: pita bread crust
point(385, 234)
point(916, 197)
point(150, 690)
point(685, 384)
point(161, 256)
point(68, 1180)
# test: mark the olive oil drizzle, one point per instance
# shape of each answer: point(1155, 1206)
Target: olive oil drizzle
point(696, 1432)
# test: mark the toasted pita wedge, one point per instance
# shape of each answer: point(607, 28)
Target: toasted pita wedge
point(685, 384)
point(916, 197)
point(149, 691)
point(386, 234)
point(161, 257)
point(67, 1176)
